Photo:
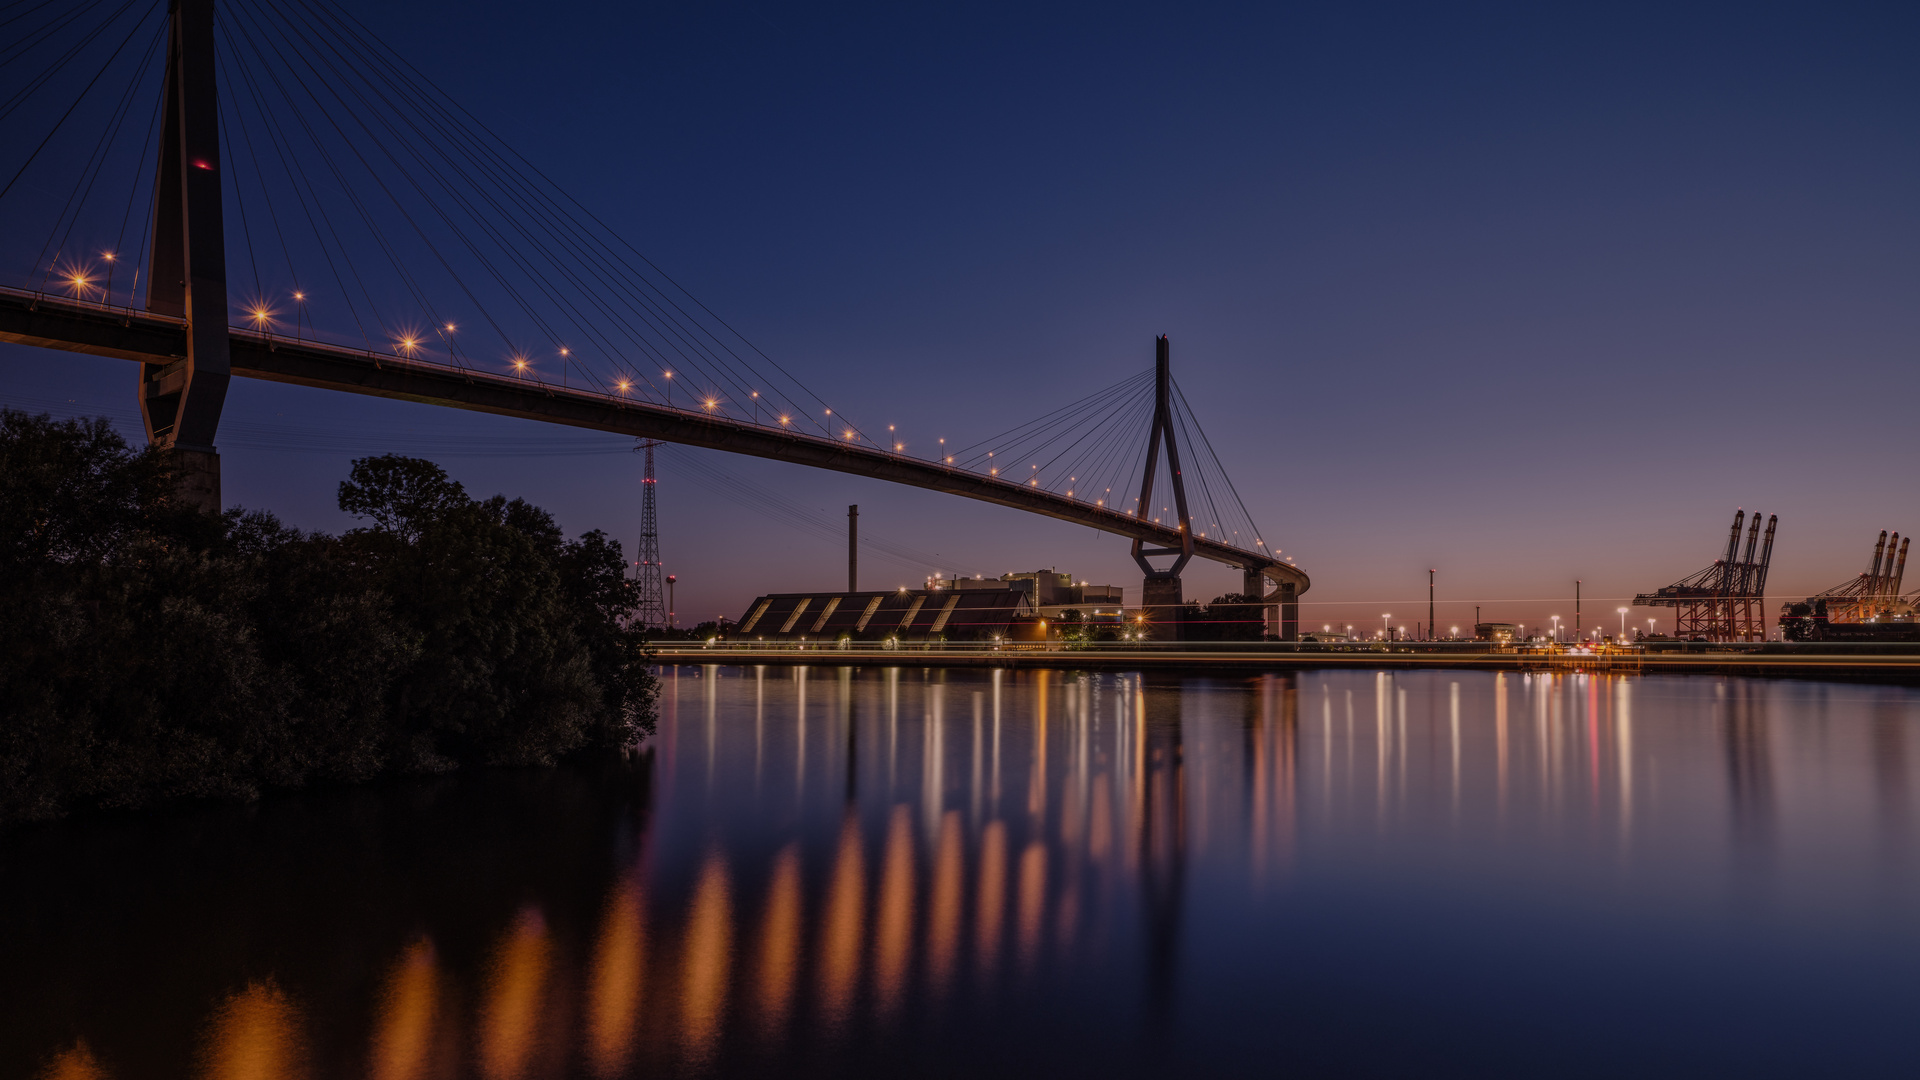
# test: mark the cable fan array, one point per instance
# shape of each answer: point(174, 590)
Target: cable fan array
point(366, 209)
point(1094, 450)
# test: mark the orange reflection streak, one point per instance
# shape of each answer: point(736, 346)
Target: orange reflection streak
point(991, 907)
point(256, 1036)
point(895, 945)
point(1033, 899)
point(780, 941)
point(1500, 733)
point(1136, 810)
point(403, 1037)
point(510, 1017)
point(1100, 828)
point(943, 931)
point(840, 951)
point(74, 1063)
point(1037, 784)
point(1066, 917)
point(618, 978)
point(709, 944)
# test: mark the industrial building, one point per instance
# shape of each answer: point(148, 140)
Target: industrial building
point(1010, 607)
point(1047, 593)
point(906, 615)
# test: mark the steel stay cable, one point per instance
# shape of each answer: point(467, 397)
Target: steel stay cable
point(1218, 464)
point(1101, 424)
point(96, 163)
point(307, 207)
point(333, 168)
point(483, 220)
point(419, 296)
point(16, 18)
point(347, 190)
point(92, 157)
point(1091, 461)
point(418, 188)
point(1097, 467)
point(239, 197)
point(76, 101)
point(24, 45)
point(1013, 435)
point(671, 326)
point(266, 190)
point(133, 192)
point(1025, 449)
point(401, 62)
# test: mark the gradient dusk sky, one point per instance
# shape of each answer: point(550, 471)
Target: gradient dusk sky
point(1527, 293)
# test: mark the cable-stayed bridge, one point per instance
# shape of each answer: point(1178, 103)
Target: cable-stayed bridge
point(390, 245)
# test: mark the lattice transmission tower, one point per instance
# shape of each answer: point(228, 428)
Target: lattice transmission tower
point(653, 606)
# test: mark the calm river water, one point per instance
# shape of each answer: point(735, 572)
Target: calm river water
point(845, 872)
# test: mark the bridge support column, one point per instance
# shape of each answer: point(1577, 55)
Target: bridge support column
point(187, 267)
point(1163, 603)
point(196, 478)
point(1253, 584)
point(1289, 612)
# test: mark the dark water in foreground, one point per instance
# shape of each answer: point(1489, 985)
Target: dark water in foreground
point(904, 872)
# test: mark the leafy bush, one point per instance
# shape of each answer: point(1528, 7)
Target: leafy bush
point(152, 652)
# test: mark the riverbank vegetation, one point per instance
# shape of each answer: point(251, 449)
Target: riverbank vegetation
point(151, 652)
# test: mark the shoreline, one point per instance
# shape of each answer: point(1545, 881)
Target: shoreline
point(1895, 667)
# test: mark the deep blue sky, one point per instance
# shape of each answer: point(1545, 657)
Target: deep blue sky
point(1526, 292)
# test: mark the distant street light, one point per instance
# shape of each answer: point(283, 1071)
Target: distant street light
point(1556, 628)
point(1623, 623)
point(671, 578)
point(1386, 623)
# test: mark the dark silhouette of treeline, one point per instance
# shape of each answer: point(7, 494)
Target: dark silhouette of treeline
point(150, 652)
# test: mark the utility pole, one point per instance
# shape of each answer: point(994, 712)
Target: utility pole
point(853, 548)
point(671, 578)
point(1576, 609)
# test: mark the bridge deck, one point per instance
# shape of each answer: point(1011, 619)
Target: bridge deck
point(129, 334)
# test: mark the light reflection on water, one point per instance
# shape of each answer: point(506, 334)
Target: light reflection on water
point(835, 871)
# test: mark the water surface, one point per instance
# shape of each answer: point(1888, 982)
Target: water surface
point(833, 871)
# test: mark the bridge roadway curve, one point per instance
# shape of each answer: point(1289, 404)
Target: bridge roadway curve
point(71, 326)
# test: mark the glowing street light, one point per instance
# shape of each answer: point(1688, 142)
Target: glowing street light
point(1623, 623)
point(1556, 628)
point(1386, 622)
